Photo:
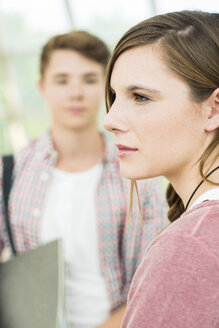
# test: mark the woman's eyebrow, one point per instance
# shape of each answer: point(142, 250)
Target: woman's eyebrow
point(143, 88)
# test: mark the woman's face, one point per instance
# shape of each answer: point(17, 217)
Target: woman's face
point(158, 129)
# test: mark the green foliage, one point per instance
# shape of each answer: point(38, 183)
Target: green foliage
point(111, 29)
point(35, 125)
point(21, 45)
point(5, 145)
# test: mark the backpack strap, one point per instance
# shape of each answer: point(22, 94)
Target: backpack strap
point(8, 165)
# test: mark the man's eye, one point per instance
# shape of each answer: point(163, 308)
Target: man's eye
point(140, 98)
point(90, 81)
point(61, 81)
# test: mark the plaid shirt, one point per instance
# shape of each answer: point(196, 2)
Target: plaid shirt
point(121, 245)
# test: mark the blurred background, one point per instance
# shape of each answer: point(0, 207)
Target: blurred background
point(24, 28)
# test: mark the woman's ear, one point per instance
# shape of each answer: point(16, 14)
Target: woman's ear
point(212, 122)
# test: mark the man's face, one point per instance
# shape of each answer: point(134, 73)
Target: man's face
point(73, 87)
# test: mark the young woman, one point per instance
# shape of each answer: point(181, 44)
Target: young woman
point(163, 99)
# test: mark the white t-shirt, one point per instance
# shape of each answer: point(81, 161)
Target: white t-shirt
point(70, 214)
point(212, 194)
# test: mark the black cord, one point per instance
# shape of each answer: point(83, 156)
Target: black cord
point(190, 198)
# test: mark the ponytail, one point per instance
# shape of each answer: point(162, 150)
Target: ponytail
point(176, 207)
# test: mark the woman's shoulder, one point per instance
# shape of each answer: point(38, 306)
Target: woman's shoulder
point(198, 228)
point(202, 218)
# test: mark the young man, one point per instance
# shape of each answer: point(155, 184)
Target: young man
point(67, 185)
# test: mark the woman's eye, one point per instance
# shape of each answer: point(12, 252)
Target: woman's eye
point(112, 93)
point(140, 98)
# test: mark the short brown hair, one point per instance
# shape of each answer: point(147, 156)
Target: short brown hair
point(83, 42)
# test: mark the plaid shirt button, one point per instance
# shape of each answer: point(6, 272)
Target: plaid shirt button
point(44, 176)
point(36, 212)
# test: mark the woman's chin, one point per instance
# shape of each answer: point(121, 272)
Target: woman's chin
point(132, 174)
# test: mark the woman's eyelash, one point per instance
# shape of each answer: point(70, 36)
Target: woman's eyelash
point(140, 98)
point(112, 91)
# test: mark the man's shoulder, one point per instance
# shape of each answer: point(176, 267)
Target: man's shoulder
point(35, 149)
point(32, 149)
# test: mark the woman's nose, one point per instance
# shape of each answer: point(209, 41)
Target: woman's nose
point(114, 120)
point(108, 122)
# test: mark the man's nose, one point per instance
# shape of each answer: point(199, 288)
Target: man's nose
point(75, 90)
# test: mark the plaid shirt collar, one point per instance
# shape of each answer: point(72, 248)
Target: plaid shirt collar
point(47, 151)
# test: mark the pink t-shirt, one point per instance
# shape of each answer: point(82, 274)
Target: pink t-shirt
point(177, 283)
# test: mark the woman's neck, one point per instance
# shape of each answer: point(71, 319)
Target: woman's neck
point(186, 184)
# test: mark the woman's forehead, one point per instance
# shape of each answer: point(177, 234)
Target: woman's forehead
point(144, 68)
point(141, 62)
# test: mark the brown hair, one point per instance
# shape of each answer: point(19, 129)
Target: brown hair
point(189, 41)
point(83, 42)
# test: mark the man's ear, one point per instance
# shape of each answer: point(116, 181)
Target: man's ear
point(40, 86)
point(212, 122)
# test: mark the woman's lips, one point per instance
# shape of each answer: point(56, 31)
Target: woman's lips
point(124, 151)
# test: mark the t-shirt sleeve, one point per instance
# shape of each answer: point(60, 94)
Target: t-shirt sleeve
point(176, 285)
